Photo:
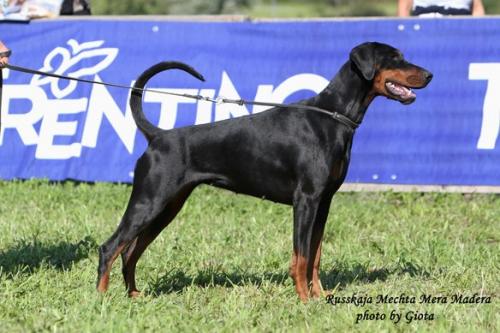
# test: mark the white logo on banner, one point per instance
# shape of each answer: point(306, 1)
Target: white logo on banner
point(491, 108)
point(69, 64)
point(101, 103)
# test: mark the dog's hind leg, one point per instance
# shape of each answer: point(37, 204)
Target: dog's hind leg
point(136, 219)
point(151, 193)
point(132, 254)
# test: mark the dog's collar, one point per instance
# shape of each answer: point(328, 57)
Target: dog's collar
point(335, 115)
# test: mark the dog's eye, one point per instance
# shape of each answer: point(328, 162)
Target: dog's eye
point(397, 57)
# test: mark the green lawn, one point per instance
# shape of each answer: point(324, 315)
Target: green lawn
point(222, 265)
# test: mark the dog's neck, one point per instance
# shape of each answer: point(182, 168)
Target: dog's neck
point(347, 93)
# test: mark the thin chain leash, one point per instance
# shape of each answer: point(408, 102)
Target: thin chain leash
point(218, 100)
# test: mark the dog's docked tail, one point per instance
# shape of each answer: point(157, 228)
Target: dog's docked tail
point(147, 128)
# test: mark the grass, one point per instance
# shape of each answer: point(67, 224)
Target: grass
point(222, 265)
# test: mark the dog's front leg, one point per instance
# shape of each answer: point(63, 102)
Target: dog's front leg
point(305, 209)
point(316, 239)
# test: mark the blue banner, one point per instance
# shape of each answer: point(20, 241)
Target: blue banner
point(60, 130)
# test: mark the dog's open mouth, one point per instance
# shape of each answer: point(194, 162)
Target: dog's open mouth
point(402, 93)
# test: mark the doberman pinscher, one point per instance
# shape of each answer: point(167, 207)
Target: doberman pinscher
point(294, 156)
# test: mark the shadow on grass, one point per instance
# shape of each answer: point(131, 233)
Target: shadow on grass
point(339, 278)
point(26, 257)
point(177, 281)
point(344, 275)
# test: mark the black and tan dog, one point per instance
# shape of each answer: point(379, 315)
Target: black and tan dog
point(293, 156)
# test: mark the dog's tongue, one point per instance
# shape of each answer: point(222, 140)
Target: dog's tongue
point(400, 90)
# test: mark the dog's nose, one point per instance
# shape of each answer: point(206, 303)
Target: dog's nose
point(427, 76)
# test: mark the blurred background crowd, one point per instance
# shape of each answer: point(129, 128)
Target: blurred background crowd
point(251, 8)
point(260, 8)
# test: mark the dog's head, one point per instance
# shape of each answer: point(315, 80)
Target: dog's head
point(391, 75)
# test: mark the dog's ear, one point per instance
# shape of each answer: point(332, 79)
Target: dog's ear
point(363, 57)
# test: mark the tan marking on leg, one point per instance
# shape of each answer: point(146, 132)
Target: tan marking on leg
point(316, 288)
point(301, 278)
point(134, 294)
point(140, 246)
point(104, 281)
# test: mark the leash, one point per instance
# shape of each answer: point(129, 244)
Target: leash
point(219, 100)
point(2, 54)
